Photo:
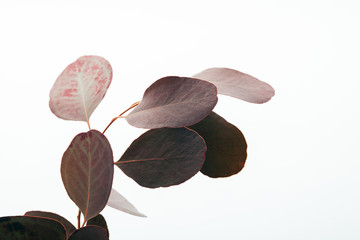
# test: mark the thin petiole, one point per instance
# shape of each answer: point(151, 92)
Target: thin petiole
point(88, 123)
point(83, 223)
point(120, 116)
point(78, 219)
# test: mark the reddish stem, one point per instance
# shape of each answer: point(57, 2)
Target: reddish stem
point(83, 223)
point(78, 219)
point(114, 119)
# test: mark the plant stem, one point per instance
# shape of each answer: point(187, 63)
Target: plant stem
point(78, 218)
point(114, 119)
point(88, 123)
point(83, 223)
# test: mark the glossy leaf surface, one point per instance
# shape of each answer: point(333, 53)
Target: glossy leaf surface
point(237, 84)
point(87, 170)
point(174, 102)
point(226, 146)
point(80, 88)
point(117, 201)
point(164, 157)
point(30, 228)
point(90, 233)
point(99, 221)
point(69, 227)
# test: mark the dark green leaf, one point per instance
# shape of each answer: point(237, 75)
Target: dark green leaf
point(87, 171)
point(174, 102)
point(90, 233)
point(226, 146)
point(163, 157)
point(68, 225)
point(31, 228)
point(99, 221)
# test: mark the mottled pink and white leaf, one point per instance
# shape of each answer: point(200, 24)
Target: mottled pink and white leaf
point(80, 88)
point(117, 201)
point(237, 84)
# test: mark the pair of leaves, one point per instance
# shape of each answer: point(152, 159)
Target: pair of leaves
point(178, 102)
point(159, 158)
point(169, 156)
point(45, 225)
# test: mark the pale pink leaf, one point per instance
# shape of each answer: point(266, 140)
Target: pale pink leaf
point(117, 201)
point(80, 88)
point(237, 84)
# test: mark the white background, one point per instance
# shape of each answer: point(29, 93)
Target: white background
point(301, 180)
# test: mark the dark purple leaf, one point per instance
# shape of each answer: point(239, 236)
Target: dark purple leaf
point(90, 233)
point(69, 227)
point(226, 146)
point(99, 221)
point(30, 228)
point(237, 84)
point(174, 102)
point(163, 157)
point(87, 170)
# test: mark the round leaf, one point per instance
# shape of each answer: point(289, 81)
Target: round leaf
point(80, 88)
point(87, 171)
point(237, 84)
point(226, 146)
point(90, 233)
point(30, 228)
point(69, 227)
point(163, 157)
point(117, 201)
point(99, 221)
point(174, 102)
